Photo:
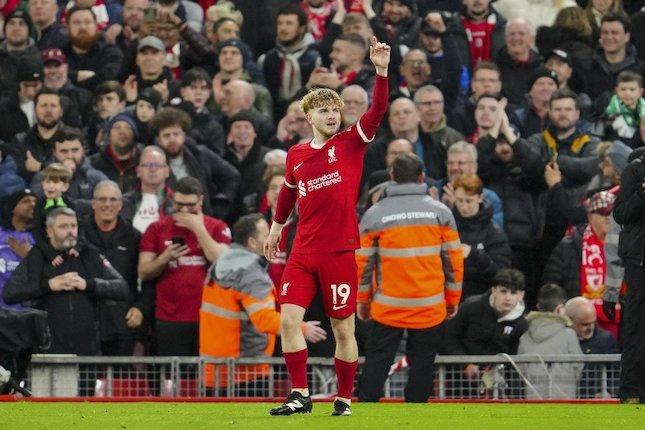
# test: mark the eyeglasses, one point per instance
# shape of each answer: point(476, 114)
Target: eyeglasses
point(153, 165)
point(111, 200)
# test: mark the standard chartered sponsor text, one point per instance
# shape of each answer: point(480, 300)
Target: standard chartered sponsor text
point(324, 181)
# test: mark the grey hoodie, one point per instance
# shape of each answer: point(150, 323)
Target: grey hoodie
point(549, 334)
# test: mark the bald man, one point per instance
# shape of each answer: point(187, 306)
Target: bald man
point(237, 96)
point(593, 340)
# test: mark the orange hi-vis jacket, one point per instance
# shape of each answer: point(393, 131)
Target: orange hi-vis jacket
point(410, 264)
point(238, 316)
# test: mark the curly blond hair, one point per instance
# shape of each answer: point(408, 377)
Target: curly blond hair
point(321, 97)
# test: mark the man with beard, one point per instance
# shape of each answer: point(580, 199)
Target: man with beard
point(69, 150)
point(56, 70)
point(18, 107)
point(15, 238)
point(120, 157)
point(123, 34)
point(218, 178)
point(49, 33)
point(91, 60)
point(571, 151)
point(288, 66)
point(68, 292)
point(30, 148)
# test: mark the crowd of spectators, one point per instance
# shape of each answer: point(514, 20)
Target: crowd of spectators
point(134, 135)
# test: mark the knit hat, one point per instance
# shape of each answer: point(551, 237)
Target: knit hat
point(601, 203)
point(237, 44)
point(542, 72)
point(19, 14)
point(619, 153)
point(12, 201)
point(30, 69)
point(151, 96)
point(128, 119)
point(244, 115)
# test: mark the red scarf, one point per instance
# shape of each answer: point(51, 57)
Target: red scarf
point(348, 78)
point(316, 18)
point(479, 38)
point(592, 277)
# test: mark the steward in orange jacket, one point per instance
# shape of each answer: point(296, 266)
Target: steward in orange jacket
point(238, 317)
point(411, 268)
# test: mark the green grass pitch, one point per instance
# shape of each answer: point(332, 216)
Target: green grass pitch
point(254, 416)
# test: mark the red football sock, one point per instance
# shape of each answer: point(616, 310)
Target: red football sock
point(297, 367)
point(345, 373)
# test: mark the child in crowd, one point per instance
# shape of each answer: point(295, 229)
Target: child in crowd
point(148, 102)
point(56, 179)
point(549, 333)
point(626, 107)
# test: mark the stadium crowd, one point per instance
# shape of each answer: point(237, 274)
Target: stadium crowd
point(139, 141)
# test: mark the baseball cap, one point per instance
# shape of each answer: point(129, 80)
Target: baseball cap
point(151, 42)
point(53, 54)
point(561, 54)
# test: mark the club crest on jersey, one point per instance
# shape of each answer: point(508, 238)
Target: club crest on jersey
point(285, 286)
point(331, 153)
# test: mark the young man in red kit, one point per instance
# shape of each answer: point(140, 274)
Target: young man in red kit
point(324, 177)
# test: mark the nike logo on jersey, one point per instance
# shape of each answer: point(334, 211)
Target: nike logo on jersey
point(338, 307)
point(297, 166)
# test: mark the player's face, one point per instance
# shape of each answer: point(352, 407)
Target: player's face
point(325, 120)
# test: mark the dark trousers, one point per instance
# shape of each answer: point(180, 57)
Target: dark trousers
point(175, 339)
point(632, 375)
point(421, 349)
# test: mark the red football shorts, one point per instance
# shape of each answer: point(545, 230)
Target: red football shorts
point(335, 273)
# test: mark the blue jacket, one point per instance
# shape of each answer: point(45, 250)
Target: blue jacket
point(9, 260)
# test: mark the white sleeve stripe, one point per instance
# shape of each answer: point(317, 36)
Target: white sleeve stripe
point(362, 134)
point(288, 184)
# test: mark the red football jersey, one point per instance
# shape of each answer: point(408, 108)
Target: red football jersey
point(327, 179)
point(179, 288)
